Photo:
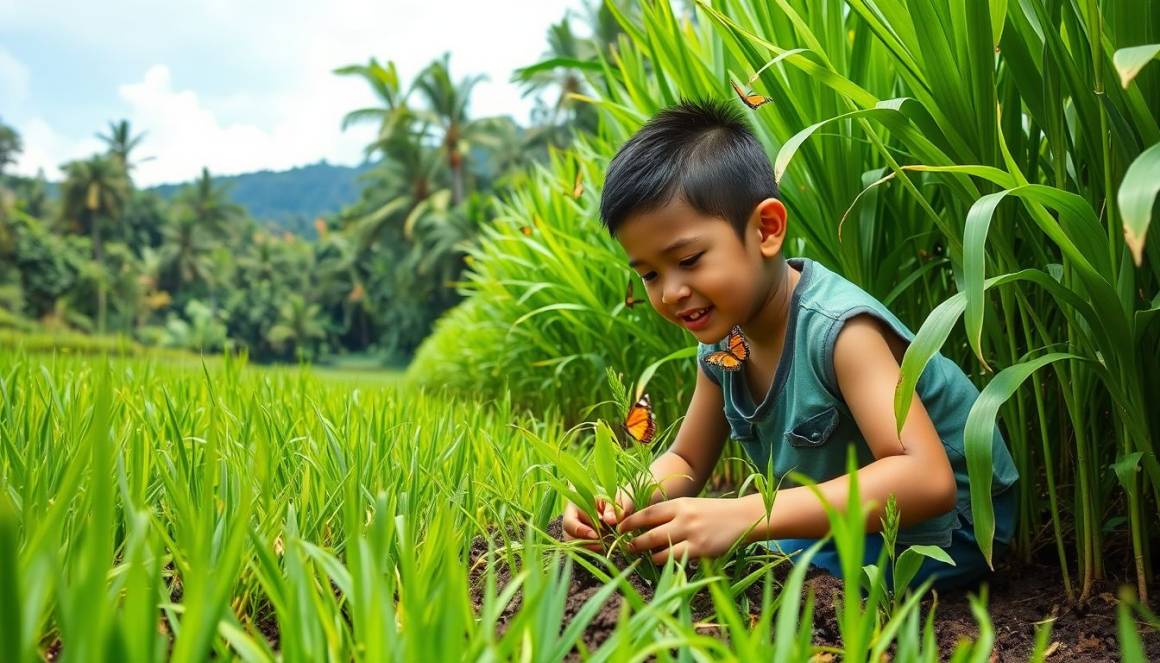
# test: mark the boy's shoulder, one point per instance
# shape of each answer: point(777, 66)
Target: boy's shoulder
point(828, 293)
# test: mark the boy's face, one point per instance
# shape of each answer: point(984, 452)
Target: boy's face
point(697, 272)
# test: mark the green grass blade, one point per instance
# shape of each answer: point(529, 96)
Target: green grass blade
point(979, 435)
point(1137, 197)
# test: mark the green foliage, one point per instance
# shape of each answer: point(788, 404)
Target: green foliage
point(545, 314)
point(371, 277)
point(153, 509)
point(991, 161)
point(289, 200)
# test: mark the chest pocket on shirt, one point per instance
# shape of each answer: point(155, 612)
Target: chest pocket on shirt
point(813, 430)
point(740, 428)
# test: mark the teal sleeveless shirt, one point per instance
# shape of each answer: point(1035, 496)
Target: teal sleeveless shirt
point(803, 423)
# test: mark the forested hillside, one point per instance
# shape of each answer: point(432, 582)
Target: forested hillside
point(290, 199)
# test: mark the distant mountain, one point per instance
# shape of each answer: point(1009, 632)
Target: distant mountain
point(290, 199)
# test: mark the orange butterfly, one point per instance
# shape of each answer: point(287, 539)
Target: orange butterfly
point(751, 100)
point(640, 423)
point(526, 230)
point(629, 299)
point(578, 187)
point(735, 353)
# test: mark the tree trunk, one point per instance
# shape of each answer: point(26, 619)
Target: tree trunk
point(457, 185)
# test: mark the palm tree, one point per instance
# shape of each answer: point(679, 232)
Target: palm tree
point(394, 117)
point(94, 192)
point(300, 326)
point(184, 250)
point(561, 68)
point(409, 174)
point(209, 205)
point(202, 215)
point(121, 143)
point(341, 285)
point(446, 109)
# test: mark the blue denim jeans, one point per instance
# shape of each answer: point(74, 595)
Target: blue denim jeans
point(970, 567)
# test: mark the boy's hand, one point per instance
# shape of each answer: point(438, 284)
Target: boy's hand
point(612, 513)
point(689, 526)
point(578, 526)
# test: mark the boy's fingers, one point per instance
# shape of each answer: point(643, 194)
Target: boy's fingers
point(662, 537)
point(609, 514)
point(647, 518)
point(573, 529)
point(583, 517)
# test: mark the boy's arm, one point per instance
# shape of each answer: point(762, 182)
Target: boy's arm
point(685, 467)
point(916, 470)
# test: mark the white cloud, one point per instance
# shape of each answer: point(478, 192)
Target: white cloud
point(46, 149)
point(184, 134)
point(276, 102)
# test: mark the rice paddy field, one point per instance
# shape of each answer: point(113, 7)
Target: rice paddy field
point(160, 510)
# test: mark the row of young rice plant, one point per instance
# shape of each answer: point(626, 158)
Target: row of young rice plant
point(995, 162)
point(158, 512)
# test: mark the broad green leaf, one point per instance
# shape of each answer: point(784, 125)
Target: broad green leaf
point(572, 470)
point(1126, 468)
point(998, 19)
point(909, 562)
point(882, 111)
point(937, 326)
point(604, 460)
point(1129, 61)
point(974, 259)
point(979, 434)
point(1137, 197)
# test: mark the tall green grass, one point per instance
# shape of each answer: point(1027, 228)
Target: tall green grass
point(153, 512)
point(995, 162)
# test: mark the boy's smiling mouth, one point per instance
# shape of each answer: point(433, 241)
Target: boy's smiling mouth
point(697, 318)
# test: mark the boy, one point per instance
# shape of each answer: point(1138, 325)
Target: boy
point(692, 199)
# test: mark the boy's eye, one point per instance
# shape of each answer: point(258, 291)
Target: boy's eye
point(648, 276)
point(692, 260)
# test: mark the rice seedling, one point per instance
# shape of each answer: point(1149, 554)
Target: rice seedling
point(152, 511)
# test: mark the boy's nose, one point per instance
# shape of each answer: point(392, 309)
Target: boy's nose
point(675, 293)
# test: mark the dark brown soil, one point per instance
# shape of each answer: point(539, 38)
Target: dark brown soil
point(1020, 597)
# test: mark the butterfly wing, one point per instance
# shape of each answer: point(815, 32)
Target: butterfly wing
point(641, 423)
point(724, 360)
point(751, 100)
point(578, 186)
point(629, 299)
point(735, 354)
point(737, 344)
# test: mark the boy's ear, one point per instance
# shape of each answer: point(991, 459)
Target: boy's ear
point(770, 216)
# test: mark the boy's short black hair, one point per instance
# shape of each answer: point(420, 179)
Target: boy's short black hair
point(703, 151)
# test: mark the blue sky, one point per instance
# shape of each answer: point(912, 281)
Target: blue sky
point(245, 84)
